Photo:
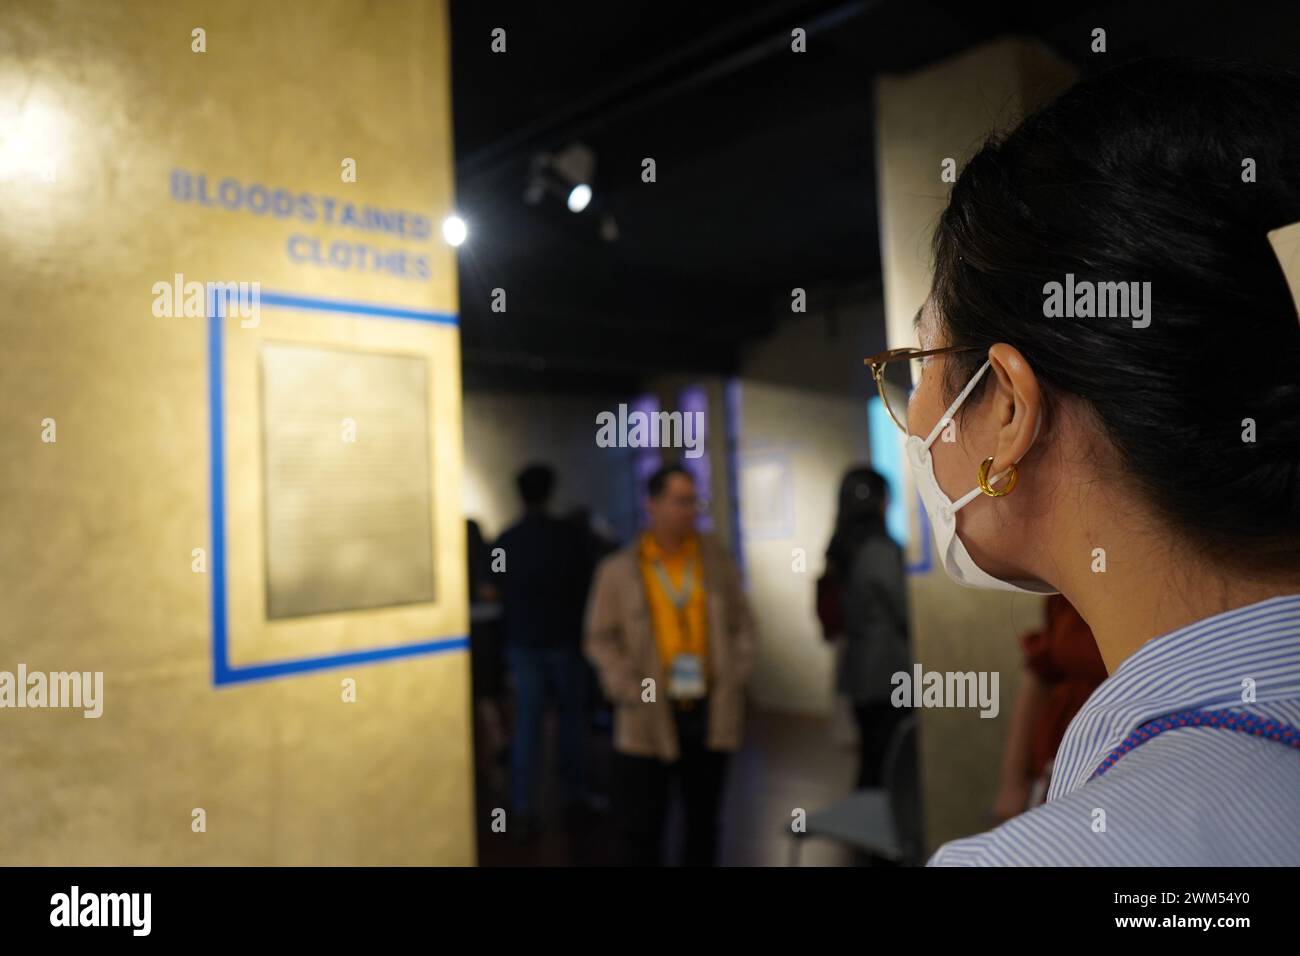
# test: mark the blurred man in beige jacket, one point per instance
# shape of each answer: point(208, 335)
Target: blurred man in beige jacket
point(672, 639)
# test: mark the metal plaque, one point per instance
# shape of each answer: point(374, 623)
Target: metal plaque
point(348, 509)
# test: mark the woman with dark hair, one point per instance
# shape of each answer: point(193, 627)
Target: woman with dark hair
point(866, 566)
point(1137, 451)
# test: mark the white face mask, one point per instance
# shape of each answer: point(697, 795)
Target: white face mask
point(942, 511)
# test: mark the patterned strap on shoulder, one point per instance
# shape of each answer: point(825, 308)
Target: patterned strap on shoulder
point(1225, 719)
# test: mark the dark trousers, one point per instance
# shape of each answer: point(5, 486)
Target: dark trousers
point(563, 672)
point(644, 786)
point(876, 724)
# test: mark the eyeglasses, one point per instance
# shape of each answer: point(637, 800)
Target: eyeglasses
point(879, 362)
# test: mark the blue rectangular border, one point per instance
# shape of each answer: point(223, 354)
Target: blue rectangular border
point(222, 671)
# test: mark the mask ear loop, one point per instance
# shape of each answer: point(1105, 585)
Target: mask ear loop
point(956, 403)
point(947, 417)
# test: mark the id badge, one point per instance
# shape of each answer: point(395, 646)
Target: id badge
point(686, 680)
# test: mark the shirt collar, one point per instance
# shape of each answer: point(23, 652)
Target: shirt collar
point(650, 550)
point(1203, 665)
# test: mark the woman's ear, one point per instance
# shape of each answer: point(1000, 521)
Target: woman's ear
point(1017, 403)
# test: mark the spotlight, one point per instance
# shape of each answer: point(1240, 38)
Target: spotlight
point(565, 174)
point(454, 230)
point(579, 196)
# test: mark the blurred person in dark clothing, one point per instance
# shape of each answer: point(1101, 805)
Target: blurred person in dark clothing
point(487, 664)
point(598, 543)
point(864, 573)
point(598, 540)
point(672, 638)
point(543, 588)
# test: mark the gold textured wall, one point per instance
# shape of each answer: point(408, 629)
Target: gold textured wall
point(99, 103)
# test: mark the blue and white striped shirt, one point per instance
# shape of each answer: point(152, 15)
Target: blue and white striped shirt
point(1191, 796)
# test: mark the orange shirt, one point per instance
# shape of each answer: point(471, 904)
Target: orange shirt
point(670, 635)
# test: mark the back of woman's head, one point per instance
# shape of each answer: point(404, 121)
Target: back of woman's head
point(859, 516)
point(1168, 172)
point(863, 494)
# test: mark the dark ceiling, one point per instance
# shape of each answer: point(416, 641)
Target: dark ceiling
point(765, 166)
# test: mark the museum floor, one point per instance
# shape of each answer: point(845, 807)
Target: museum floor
point(787, 762)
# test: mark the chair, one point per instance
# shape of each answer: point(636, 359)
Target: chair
point(883, 823)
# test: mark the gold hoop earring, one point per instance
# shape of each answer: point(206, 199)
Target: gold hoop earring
point(1013, 475)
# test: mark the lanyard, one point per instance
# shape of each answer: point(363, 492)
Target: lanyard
point(678, 599)
point(1223, 719)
